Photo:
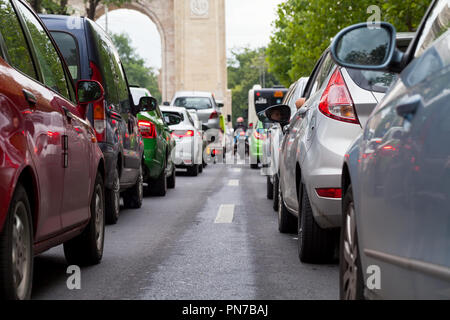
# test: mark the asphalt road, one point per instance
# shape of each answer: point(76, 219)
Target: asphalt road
point(172, 248)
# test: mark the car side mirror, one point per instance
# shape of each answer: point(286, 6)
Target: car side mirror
point(361, 46)
point(280, 113)
point(166, 103)
point(147, 104)
point(88, 91)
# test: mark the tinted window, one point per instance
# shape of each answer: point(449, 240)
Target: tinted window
point(193, 102)
point(69, 49)
point(171, 113)
point(122, 87)
point(49, 62)
point(17, 48)
point(372, 80)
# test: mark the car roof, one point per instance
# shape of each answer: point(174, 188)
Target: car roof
point(172, 108)
point(193, 94)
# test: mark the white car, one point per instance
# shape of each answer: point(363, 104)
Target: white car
point(188, 149)
point(137, 93)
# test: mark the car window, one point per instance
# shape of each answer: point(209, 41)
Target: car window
point(49, 61)
point(107, 70)
point(435, 27)
point(122, 86)
point(16, 45)
point(378, 81)
point(197, 103)
point(67, 44)
point(324, 70)
point(171, 113)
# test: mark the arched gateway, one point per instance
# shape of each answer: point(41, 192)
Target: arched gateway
point(193, 43)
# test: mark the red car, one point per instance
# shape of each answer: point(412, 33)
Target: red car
point(51, 168)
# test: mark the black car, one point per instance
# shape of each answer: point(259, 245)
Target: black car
point(90, 54)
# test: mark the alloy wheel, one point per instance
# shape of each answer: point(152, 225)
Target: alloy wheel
point(21, 251)
point(350, 254)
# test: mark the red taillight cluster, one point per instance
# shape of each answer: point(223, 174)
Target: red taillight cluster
point(214, 115)
point(147, 129)
point(329, 192)
point(336, 101)
point(183, 133)
point(98, 107)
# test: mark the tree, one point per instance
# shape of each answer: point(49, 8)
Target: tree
point(91, 5)
point(246, 68)
point(137, 73)
point(304, 29)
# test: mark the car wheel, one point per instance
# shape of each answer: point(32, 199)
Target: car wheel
point(87, 248)
point(193, 171)
point(275, 192)
point(132, 198)
point(16, 249)
point(159, 186)
point(269, 193)
point(200, 168)
point(172, 179)
point(286, 221)
point(351, 281)
point(112, 196)
point(315, 244)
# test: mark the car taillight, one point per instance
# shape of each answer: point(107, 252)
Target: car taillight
point(329, 192)
point(214, 115)
point(258, 135)
point(98, 107)
point(336, 101)
point(147, 129)
point(183, 133)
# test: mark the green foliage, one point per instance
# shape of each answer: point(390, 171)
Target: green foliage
point(304, 29)
point(246, 68)
point(51, 6)
point(137, 72)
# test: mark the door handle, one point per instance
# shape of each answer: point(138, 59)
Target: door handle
point(409, 107)
point(67, 113)
point(29, 97)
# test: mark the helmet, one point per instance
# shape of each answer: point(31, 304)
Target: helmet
point(240, 119)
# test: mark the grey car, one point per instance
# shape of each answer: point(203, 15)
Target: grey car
point(339, 101)
point(395, 240)
point(273, 141)
point(208, 110)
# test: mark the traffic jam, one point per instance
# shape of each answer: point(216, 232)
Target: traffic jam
point(344, 174)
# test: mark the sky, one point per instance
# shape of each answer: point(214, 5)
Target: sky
point(248, 23)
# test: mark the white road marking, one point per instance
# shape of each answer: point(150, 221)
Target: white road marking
point(233, 182)
point(225, 213)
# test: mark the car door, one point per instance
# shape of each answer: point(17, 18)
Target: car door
point(76, 141)
point(43, 120)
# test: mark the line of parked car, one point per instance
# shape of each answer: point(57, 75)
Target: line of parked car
point(75, 137)
point(359, 163)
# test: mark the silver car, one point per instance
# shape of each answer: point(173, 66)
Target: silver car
point(272, 143)
point(207, 109)
point(395, 239)
point(339, 101)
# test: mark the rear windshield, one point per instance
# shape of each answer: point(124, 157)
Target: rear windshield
point(378, 81)
point(172, 113)
point(197, 103)
point(69, 49)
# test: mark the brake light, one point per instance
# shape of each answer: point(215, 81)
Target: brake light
point(183, 133)
point(258, 135)
point(147, 129)
point(98, 107)
point(329, 192)
point(336, 101)
point(214, 115)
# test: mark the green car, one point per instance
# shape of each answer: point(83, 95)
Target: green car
point(158, 168)
point(256, 140)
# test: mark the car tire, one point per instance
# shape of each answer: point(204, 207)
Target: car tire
point(87, 247)
point(315, 244)
point(17, 230)
point(275, 192)
point(287, 223)
point(133, 197)
point(351, 279)
point(200, 168)
point(253, 165)
point(112, 197)
point(158, 186)
point(269, 193)
point(172, 179)
point(193, 171)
